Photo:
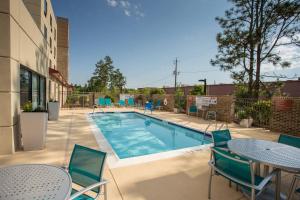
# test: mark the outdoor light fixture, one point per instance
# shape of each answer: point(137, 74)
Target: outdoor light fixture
point(204, 81)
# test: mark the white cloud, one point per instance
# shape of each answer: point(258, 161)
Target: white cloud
point(128, 8)
point(112, 3)
point(127, 13)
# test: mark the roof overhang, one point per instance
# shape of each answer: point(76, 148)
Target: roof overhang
point(59, 77)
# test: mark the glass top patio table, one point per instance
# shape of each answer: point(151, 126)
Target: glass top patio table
point(34, 181)
point(280, 156)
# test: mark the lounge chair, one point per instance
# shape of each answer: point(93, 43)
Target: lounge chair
point(131, 102)
point(221, 137)
point(101, 102)
point(158, 104)
point(148, 106)
point(108, 102)
point(86, 170)
point(121, 103)
point(239, 170)
point(193, 109)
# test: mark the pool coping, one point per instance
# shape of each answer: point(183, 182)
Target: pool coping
point(114, 161)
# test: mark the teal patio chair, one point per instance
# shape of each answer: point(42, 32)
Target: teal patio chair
point(221, 137)
point(289, 140)
point(121, 103)
point(238, 170)
point(86, 170)
point(295, 142)
point(193, 109)
point(131, 102)
point(158, 104)
point(108, 102)
point(293, 189)
point(101, 102)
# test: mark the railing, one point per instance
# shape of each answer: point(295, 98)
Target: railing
point(257, 109)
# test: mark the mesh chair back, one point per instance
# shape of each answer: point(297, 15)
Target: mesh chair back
point(232, 165)
point(158, 102)
point(289, 140)
point(108, 101)
point(121, 102)
point(130, 102)
point(86, 166)
point(193, 108)
point(101, 101)
point(221, 137)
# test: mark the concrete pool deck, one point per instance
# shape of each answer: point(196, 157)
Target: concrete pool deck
point(183, 177)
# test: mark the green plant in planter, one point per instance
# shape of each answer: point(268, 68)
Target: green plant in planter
point(27, 107)
point(52, 100)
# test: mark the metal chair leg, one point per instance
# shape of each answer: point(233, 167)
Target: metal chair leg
point(293, 187)
point(209, 184)
point(105, 192)
point(252, 194)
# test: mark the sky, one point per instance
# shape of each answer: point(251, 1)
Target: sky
point(144, 37)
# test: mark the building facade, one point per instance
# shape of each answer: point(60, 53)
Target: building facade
point(28, 53)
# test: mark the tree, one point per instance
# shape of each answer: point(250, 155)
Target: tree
point(118, 80)
point(106, 77)
point(253, 30)
point(197, 90)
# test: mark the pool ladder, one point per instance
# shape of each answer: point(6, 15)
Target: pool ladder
point(211, 116)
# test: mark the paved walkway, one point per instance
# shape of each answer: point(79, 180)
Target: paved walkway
point(180, 178)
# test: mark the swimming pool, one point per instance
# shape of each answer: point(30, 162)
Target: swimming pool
point(132, 134)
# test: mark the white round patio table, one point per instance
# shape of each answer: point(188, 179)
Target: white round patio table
point(34, 182)
point(277, 155)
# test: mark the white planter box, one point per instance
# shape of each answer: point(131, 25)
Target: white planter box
point(246, 123)
point(53, 110)
point(33, 130)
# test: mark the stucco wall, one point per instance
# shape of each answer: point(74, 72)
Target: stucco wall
point(21, 42)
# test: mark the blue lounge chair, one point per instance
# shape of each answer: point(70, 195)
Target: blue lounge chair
point(101, 102)
point(107, 101)
point(86, 170)
point(131, 102)
point(148, 106)
point(238, 170)
point(121, 103)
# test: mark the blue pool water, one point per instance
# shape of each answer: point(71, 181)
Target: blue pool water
point(133, 134)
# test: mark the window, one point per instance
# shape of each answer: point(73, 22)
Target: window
point(51, 22)
point(54, 34)
point(45, 7)
point(50, 63)
point(32, 88)
point(50, 45)
point(54, 52)
point(45, 32)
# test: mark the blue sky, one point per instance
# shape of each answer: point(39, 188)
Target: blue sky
point(144, 37)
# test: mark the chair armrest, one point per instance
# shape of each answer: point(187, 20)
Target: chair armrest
point(84, 190)
point(267, 179)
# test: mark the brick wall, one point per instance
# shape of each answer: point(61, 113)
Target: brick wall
point(285, 116)
point(224, 107)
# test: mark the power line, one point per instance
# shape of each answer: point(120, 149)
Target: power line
point(199, 71)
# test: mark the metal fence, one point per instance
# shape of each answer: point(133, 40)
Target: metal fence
point(258, 109)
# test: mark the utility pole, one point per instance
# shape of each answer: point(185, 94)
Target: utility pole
point(176, 73)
